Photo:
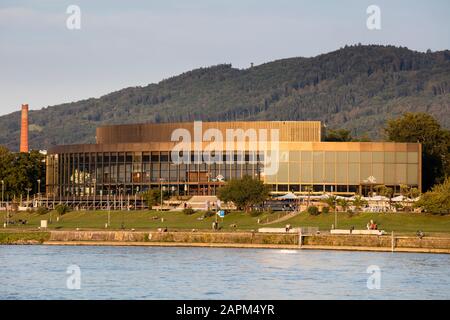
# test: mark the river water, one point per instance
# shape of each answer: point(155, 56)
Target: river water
point(55, 272)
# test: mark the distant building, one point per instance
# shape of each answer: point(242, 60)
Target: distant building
point(129, 159)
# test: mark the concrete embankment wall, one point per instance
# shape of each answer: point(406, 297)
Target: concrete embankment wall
point(249, 239)
point(177, 237)
point(377, 241)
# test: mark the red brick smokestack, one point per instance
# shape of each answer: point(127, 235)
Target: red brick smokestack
point(24, 129)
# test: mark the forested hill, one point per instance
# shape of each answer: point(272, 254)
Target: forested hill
point(356, 87)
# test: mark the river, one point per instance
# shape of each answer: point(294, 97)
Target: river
point(56, 272)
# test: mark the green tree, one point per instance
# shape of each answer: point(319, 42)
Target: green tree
point(313, 210)
point(437, 200)
point(344, 204)
point(331, 202)
point(244, 193)
point(339, 135)
point(62, 209)
point(21, 171)
point(409, 192)
point(153, 197)
point(423, 128)
point(384, 191)
point(359, 202)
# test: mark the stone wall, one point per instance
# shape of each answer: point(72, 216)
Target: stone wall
point(348, 240)
point(182, 237)
point(324, 240)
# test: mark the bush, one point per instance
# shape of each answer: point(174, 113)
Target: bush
point(313, 210)
point(326, 210)
point(188, 211)
point(41, 211)
point(62, 209)
point(209, 213)
point(153, 197)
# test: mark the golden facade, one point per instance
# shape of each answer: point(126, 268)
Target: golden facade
point(130, 159)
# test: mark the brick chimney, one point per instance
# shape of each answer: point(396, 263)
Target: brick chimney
point(24, 129)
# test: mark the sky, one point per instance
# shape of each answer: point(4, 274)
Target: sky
point(134, 43)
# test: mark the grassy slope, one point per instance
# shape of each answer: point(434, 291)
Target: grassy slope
point(136, 220)
point(407, 223)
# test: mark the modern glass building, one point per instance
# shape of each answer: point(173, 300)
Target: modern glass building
point(130, 159)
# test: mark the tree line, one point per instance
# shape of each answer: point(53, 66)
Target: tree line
point(20, 173)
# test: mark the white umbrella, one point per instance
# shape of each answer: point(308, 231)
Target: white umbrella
point(377, 198)
point(399, 198)
point(345, 198)
point(287, 196)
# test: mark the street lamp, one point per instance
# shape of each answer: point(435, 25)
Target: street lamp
point(95, 193)
point(28, 196)
point(335, 208)
point(39, 192)
point(120, 196)
point(161, 189)
point(3, 192)
point(335, 213)
point(109, 213)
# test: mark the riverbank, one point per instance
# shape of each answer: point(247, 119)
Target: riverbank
point(386, 243)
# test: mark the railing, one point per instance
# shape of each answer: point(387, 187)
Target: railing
point(309, 230)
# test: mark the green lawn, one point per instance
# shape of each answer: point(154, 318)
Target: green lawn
point(401, 223)
point(136, 220)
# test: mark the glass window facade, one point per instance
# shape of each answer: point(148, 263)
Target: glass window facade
point(345, 172)
point(86, 174)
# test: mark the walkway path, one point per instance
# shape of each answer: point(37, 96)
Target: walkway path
point(283, 218)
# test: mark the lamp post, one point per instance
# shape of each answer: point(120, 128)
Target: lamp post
point(39, 192)
point(28, 196)
point(3, 192)
point(95, 194)
point(335, 208)
point(120, 198)
point(335, 213)
point(109, 213)
point(161, 189)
